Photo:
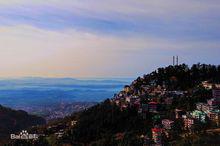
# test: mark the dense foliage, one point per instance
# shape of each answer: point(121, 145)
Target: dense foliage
point(99, 124)
point(105, 120)
point(183, 77)
point(105, 123)
point(12, 121)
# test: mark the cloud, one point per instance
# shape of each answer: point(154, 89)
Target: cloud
point(125, 7)
point(31, 51)
point(105, 38)
point(174, 19)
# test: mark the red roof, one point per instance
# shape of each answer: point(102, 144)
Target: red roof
point(156, 129)
point(152, 102)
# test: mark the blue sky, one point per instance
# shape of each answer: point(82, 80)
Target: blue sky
point(114, 38)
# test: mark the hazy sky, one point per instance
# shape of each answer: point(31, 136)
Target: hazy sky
point(105, 38)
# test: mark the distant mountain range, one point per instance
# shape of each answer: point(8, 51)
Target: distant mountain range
point(36, 91)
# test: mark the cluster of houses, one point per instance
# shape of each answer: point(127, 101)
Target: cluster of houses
point(131, 96)
point(204, 113)
point(58, 129)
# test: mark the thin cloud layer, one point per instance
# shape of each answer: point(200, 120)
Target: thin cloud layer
point(171, 19)
point(105, 38)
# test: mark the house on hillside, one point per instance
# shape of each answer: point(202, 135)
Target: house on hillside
point(189, 122)
point(167, 124)
point(214, 116)
point(153, 106)
point(157, 135)
point(199, 115)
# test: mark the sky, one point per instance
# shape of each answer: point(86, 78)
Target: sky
point(111, 38)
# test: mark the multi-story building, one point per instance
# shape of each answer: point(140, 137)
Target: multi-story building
point(206, 107)
point(199, 106)
point(157, 135)
point(214, 116)
point(188, 122)
point(199, 115)
point(167, 124)
point(153, 106)
point(216, 94)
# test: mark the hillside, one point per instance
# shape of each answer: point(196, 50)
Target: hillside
point(12, 121)
point(148, 104)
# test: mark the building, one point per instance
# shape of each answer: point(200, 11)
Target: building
point(127, 89)
point(73, 123)
point(128, 99)
point(216, 94)
point(144, 108)
point(188, 122)
point(168, 124)
point(133, 99)
point(199, 115)
point(207, 85)
point(157, 135)
point(212, 102)
point(117, 102)
point(59, 134)
point(123, 107)
point(153, 106)
point(119, 136)
point(214, 116)
point(206, 107)
point(199, 106)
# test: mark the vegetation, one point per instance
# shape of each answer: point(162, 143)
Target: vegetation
point(106, 124)
point(12, 121)
point(182, 77)
point(104, 121)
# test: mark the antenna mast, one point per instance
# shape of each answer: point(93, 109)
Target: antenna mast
point(177, 60)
